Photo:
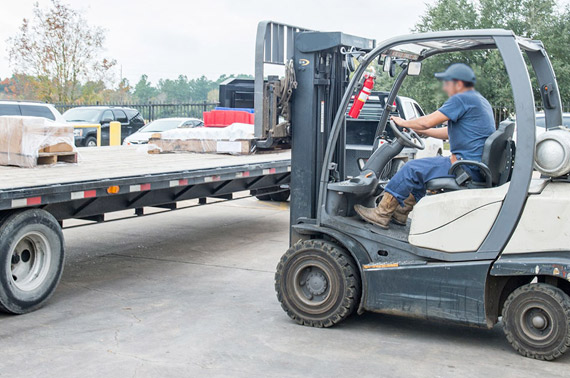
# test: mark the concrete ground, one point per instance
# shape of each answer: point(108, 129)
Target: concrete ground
point(190, 293)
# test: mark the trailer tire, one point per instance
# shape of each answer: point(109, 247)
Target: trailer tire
point(536, 321)
point(264, 197)
point(317, 283)
point(31, 260)
point(280, 196)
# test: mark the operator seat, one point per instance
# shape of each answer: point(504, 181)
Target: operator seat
point(495, 166)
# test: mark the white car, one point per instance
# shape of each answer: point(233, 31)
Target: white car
point(31, 109)
point(541, 122)
point(143, 135)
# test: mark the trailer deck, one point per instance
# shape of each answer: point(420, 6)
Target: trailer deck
point(117, 178)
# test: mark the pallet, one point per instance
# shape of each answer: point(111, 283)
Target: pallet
point(48, 158)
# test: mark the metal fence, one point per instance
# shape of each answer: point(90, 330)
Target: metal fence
point(152, 111)
point(502, 112)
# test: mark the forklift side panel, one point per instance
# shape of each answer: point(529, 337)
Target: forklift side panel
point(445, 291)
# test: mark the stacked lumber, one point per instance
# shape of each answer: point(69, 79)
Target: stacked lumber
point(235, 139)
point(31, 141)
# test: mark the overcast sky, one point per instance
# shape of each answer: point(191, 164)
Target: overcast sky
point(166, 38)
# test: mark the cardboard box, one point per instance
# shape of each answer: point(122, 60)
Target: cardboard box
point(159, 145)
point(22, 139)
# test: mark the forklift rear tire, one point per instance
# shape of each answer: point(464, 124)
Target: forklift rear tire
point(317, 283)
point(536, 321)
point(31, 260)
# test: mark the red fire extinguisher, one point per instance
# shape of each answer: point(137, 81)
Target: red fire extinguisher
point(360, 100)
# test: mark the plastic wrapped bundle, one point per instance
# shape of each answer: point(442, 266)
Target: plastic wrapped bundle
point(29, 141)
point(234, 139)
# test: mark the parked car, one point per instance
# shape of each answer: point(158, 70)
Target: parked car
point(541, 122)
point(143, 135)
point(30, 108)
point(131, 121)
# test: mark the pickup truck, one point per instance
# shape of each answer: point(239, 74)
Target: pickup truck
point(360, 134)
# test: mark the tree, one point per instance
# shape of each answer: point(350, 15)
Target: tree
point(58, 46)
point(144, 91)
point(536, 19)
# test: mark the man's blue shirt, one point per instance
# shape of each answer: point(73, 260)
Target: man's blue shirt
point(470, 123)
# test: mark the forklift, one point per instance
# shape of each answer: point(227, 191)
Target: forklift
point(473, 252)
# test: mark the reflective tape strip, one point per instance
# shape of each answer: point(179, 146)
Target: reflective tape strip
point(21, 202)
point(24, 202)
point(242, 174)
point(211, 178)
point(269, 171)
point(83, 194)
point(182, 182)
point(139, 188)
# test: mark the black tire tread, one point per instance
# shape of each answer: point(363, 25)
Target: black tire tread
point(557, 294)
point(13, 217)
point(350, 272)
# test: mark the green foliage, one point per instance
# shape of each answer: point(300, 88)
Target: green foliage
point(144, 91)
point(541, 20)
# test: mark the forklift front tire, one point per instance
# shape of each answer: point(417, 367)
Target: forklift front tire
point(317, 283)
point(536, 321)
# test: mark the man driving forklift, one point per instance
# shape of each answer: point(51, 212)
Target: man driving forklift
point(470, 122)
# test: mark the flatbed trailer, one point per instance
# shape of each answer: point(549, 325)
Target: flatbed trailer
point(35, 202)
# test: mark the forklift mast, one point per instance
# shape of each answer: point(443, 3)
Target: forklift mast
point(319, 63)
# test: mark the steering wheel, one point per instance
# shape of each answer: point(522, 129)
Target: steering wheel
point(407, 137)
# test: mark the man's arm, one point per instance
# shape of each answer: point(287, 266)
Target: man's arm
point(422, 123)
point(439, 133)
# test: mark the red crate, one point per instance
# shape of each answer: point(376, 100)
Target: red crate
point(223, 118)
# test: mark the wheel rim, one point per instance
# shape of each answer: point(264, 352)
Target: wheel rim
point(91, 144)
point(314, 286)
point(30, 261)
point(536, 323)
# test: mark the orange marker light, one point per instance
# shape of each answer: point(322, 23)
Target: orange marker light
point(113, 189)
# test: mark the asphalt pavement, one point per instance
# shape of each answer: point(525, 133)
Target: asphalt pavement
point(189, 293)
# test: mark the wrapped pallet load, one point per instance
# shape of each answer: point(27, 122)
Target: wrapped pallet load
point(31, 141)
point(235, 139)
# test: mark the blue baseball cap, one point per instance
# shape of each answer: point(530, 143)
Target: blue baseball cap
point(457, 71)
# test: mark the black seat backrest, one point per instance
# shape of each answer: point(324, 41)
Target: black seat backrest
point(498, 153)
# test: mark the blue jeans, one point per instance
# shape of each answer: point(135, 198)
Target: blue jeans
point(414, 175)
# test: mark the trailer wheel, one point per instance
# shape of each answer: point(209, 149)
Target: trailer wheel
point(280, 196)
point(536, 321)
point(264, 197)
point(317, 283)
point(31, 260)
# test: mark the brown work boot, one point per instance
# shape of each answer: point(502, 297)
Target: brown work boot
point(381, 214)
point(400, 216)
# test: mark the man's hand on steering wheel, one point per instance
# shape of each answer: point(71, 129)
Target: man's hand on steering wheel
point(398, 121)
point(407, 137)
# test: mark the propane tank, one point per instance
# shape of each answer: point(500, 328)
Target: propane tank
point(363, 95)
point(552, 153)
